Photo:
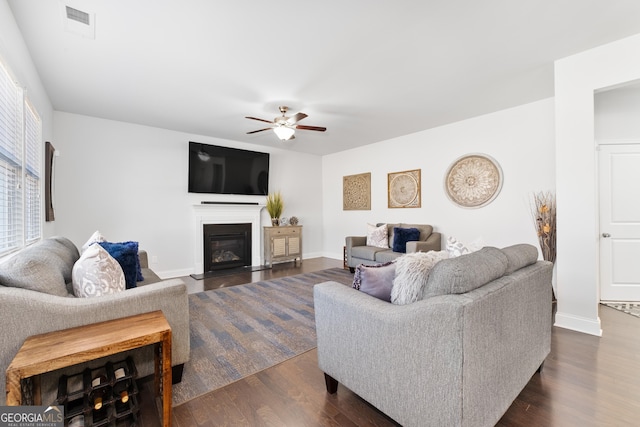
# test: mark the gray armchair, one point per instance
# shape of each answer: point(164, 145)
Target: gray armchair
point(359, 253)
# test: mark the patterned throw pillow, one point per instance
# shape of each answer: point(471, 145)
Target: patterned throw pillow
point(377, 236)
point(97, 273)
point(96, 237)
point(375, 280)
point(457, 248)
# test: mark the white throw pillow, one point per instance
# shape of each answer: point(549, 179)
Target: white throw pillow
point(95, 238)
point(97, 273)
point(412, 273)
point(457, 248)
point(377, 236)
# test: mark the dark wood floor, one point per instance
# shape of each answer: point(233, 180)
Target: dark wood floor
point(278, 270)
point(586, 381)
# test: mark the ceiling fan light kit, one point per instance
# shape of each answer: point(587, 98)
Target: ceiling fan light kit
point(285, 127)
point(284, 132)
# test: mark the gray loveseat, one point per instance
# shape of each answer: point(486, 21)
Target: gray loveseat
point(47, 265)
point(458, 358)
point(359, 253)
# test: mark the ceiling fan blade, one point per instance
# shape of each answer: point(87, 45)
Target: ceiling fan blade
point(296, 118)
point(303, 127)
point(260, 120)
point(259, 130)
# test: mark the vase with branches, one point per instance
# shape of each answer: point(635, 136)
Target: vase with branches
point(543, 210)
point(274, 206)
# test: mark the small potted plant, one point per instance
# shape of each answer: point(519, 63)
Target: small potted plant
point(274, 207)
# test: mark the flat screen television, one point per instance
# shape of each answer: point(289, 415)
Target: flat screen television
point(222, 170)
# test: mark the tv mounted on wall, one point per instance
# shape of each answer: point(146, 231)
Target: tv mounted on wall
point(222, 170)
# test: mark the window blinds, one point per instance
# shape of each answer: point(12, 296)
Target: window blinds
point(20, 165)
point(32, 156)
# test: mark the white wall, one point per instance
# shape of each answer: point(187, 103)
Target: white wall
point(130, 182)
point(576, 79)
point(521, 139)
point(616, 114)
point(15, 56)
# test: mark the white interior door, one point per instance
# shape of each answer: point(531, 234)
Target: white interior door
point(619, 176)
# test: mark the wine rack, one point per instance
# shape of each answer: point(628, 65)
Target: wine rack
point(76, 393)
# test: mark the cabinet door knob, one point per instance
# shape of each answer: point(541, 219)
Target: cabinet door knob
point(606, 235)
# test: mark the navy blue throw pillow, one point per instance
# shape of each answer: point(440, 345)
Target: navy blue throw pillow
point(126, 253)
point(403, 235)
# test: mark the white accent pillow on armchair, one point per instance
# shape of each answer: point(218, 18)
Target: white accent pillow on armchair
point(377, 236)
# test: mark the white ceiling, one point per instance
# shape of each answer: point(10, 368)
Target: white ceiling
point(367, 70)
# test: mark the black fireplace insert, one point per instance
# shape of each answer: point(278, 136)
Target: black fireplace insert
point(226, 246)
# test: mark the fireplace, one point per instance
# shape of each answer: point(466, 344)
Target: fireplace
point(226, 214)
point(226, 246)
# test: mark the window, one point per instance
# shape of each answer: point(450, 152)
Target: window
point(20, 167)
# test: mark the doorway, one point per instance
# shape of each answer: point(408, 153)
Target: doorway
point(619, 189)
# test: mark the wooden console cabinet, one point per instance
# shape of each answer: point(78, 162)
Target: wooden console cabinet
point(282, 243)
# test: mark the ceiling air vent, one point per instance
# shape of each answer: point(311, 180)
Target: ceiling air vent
point(78, 22)
point(78, 15)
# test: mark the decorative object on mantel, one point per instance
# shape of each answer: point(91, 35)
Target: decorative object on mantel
point(543, 211)
point(284, 221)
point(356, 192)
point(293, 220)
point(274, 206)
point(404, 189)
point(473, 181)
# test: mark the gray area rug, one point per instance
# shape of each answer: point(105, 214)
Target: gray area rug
point(627, 307)
point(241, 330)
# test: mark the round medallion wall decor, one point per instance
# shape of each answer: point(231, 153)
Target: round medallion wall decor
point(473, 181)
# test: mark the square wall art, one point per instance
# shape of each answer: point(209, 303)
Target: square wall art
point(404, 189)
point(356, 192)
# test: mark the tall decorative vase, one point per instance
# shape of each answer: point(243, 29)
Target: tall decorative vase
point(543, 209)
point(275, 222)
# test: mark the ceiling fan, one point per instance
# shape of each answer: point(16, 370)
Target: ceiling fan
point(285, 127)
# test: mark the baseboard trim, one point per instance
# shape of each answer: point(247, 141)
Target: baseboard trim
point(579, 324)
point(170, 274)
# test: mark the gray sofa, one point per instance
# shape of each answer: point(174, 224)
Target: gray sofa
point(27, 312)
point(359, 253)
point(458, 358)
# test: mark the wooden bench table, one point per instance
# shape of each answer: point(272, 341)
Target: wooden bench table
point(54, 350)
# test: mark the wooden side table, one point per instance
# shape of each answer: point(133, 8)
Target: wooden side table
point(344, 258)
point(282, 243)
point(54, 350)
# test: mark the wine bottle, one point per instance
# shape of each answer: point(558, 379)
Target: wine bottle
point(121, 387)
point(99, 392)
point(77, 421)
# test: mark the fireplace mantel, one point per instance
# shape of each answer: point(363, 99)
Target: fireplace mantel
point(227, 214)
